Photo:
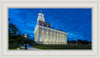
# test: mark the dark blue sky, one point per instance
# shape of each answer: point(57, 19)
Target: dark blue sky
point(75, 21)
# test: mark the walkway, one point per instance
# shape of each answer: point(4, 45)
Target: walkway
point(31, 48)
point(28, 47)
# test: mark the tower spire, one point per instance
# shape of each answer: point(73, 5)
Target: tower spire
point(41, 16)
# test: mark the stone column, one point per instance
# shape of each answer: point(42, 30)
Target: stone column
point(57, 38)
point(42, 36)
point(47, 36)
point(51, 37)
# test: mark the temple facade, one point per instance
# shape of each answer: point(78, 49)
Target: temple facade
point(44, 34)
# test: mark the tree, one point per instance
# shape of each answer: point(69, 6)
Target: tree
point(79, 41)
point(85, 42)
point(15, 37)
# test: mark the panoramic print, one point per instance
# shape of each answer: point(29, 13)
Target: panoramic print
point(49, 28)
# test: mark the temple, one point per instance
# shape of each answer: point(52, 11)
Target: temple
point(44, 34)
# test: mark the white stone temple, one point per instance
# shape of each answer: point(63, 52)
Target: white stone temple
point(44, 34)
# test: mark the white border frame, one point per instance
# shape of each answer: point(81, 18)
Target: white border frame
point(50, 5)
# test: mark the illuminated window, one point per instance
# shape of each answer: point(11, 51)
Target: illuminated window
point(42, 32)
point(57, 34)
point(47, 40)
point(63, 34)
point(54, 33)
point(50, 41)
point(42, 40)
point(60, 34)
point(47, 25)
point(50, 33)
point(47, 32)
point(42, 24)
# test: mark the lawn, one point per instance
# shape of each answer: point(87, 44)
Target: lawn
point(62, 47)
point(13, 48)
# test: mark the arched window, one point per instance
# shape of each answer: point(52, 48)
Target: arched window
point(57, 35)
point(47, 32)
point(42, 32)
point(51, 33)
point(54, 41)
point(47, 41)
point(42, 40)
point(51, 41)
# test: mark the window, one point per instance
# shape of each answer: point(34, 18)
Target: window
point(47, 25)
point(42, 32)
point(42, 40)
point(50, 41)
point(47, 40)
point(47, 32)
point(55, 41)
point(63, 35)
point(57, 35)
point(60, 34)
point(54, 33)
point(42, 24)
point(50, 33)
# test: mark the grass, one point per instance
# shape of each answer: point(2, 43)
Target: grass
point(13, 48)
point(62, 46)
